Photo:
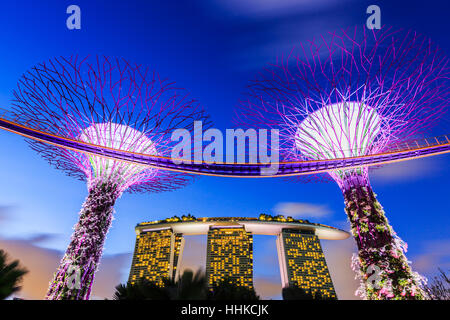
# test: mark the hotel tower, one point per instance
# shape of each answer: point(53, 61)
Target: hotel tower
point(229, 250)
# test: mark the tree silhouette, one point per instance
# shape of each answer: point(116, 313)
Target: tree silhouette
point(189, 286)
point(439, 289)
point(142, 290)
point(10, 276)
point(297, 293)
point(228, 289)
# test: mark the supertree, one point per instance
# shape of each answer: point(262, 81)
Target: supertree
point(352, 93)
point(108, 102)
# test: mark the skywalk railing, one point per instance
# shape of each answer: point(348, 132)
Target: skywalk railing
point(399, 152)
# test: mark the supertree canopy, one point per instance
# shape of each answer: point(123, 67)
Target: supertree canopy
point(353, 93)
point(111, 103)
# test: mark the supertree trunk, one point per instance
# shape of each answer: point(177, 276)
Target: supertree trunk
point(381, 264)
point(74, 277)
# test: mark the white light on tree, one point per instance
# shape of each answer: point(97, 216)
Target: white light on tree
point(340, 130)
point(117, 136)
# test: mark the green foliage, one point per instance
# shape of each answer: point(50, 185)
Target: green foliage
point(280, 218)
point(364, 227)
point(189, 217)
point(10, 276)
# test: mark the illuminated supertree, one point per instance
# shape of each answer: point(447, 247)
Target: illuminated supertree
point(353, 93)
point(111, 103)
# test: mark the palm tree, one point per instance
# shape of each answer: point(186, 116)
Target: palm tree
point(189, 286)
point(228, 289)
point(10, 276)
point(297, 293)
point(439, 289)
point(142, 290)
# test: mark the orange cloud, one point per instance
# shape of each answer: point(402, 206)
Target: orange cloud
point(268, 288)
point(436, 255)
point(42, 263)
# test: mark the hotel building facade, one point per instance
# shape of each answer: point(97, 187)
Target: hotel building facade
point(159, 248)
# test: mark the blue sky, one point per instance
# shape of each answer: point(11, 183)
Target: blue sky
point(212, 48)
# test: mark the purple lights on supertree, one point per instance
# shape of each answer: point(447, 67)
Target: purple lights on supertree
point(112, 103)
point(353, 93)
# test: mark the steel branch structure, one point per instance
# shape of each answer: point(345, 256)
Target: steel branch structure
point(356, 93)
point(350, 100)
point(110, 103)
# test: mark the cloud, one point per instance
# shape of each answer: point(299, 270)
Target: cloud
point(5, 213)
point(436, 255)
point(266, 29)
point(42, 263)
point(267, 288)
point(301, 209)
point(406, 171)
point(338, 255)
point(110, 274)
point(264, 43)
point(272, 8)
